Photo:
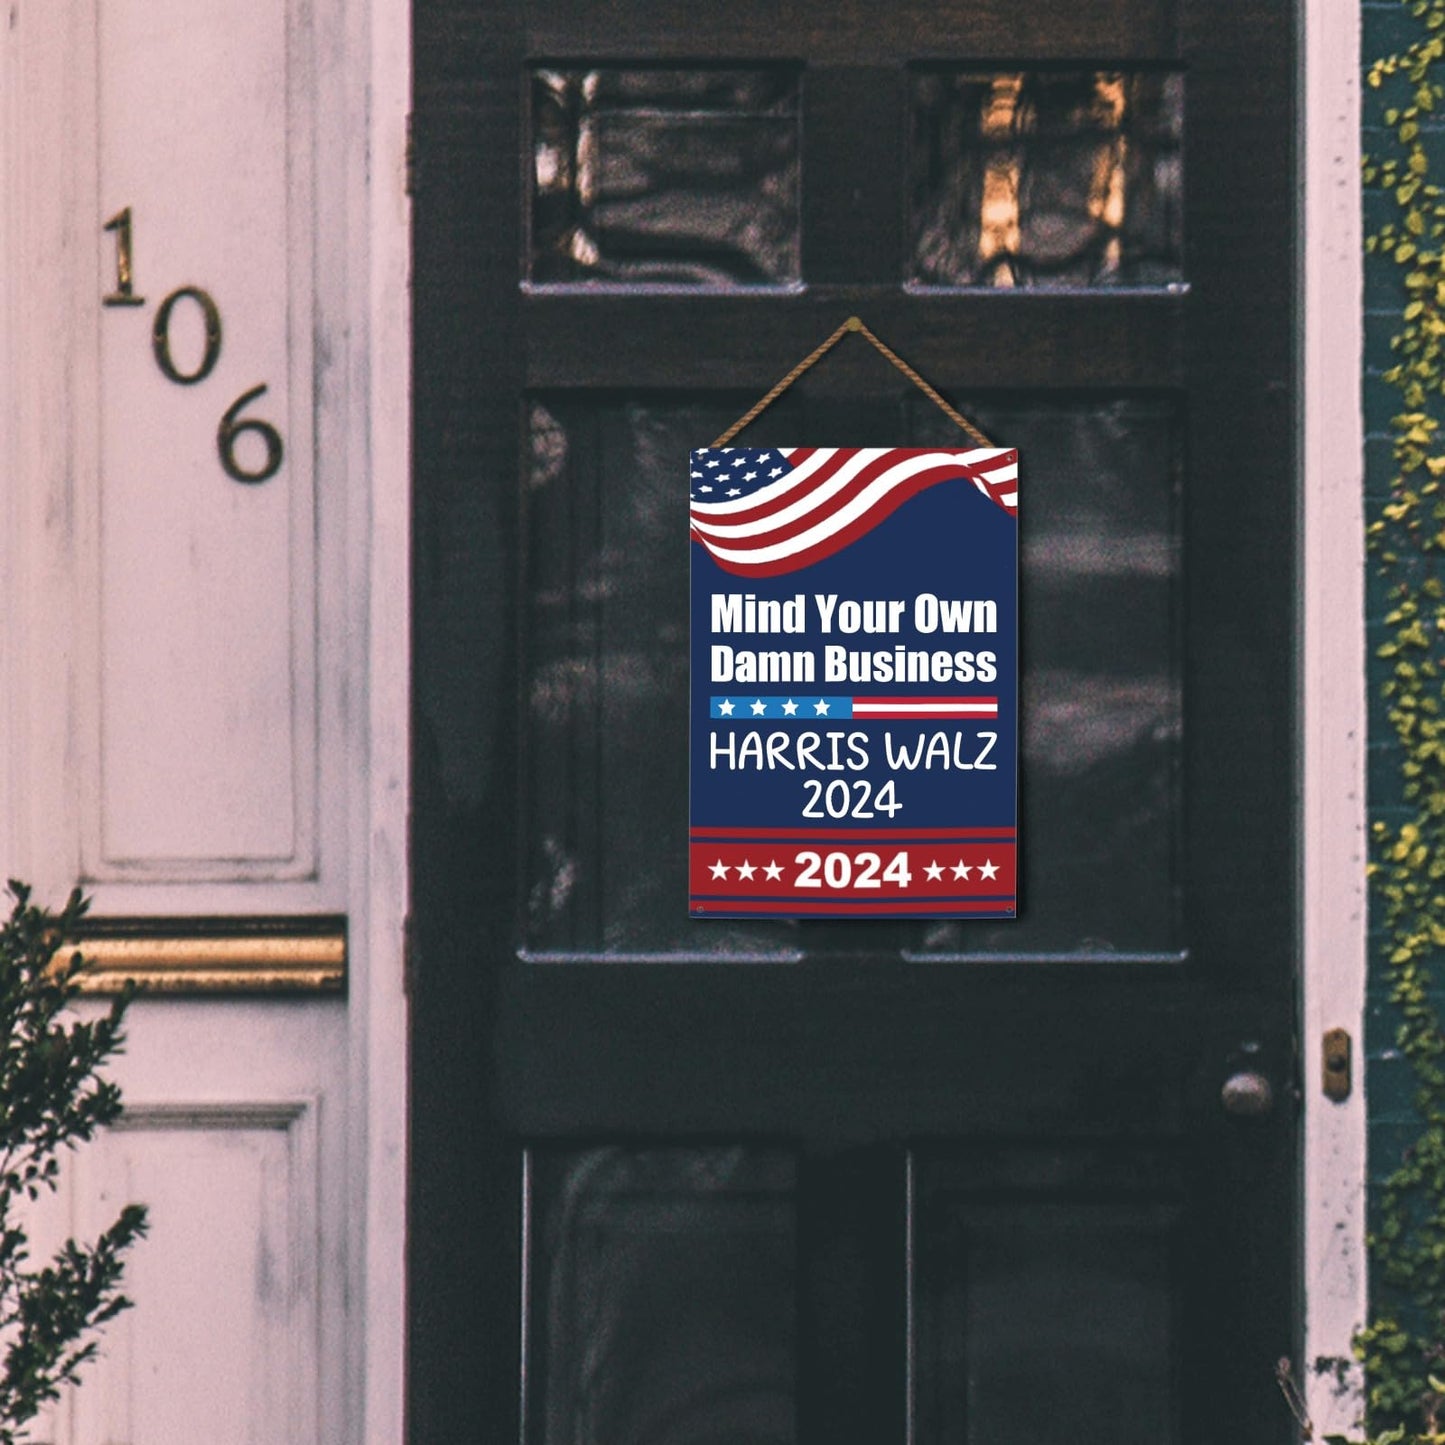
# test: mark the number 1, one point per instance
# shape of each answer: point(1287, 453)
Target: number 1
point(124, 294)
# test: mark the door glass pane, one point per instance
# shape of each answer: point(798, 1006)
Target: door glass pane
point(673, 177)
point(661, 1297)
point(1101, 699)
point(1047, 178)
point(1039, 1310)
point(605, 657)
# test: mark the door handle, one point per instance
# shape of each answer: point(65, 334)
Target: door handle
point(1247, 1094)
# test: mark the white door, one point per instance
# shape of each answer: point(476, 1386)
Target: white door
point(203, 451)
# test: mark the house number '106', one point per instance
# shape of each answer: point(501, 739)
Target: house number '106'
point(233, 426)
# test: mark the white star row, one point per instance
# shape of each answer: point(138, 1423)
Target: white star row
point(727, 707)
point(758, 460)
point(774, 870)
point(987, 869)
point(762, 457)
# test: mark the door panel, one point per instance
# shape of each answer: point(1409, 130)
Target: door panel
point(1043, 1292)
point(604, 664)
point(662, 1302)
point(918, 1181)
point(964, 341)
point(851, 31)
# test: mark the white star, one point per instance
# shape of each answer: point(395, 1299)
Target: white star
point(749, 476)
point(763, 456)
point(714, 463)
point(759, 708)
point(704, 489)
point(697, 474)
point(774, 870)
point(934, 870)
point(730, 449)
point(746, 869)
point(821, 708)
point(961, 869)
point(790, 708)
point(719, 869)
point(734, 491)
point(725, 707)
point(987, 869)
point(738, 462)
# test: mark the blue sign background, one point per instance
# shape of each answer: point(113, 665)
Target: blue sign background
point(948, 540)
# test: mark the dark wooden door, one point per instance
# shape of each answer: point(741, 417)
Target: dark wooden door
point(925, 1182)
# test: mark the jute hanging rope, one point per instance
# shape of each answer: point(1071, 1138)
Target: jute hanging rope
point(853, 323)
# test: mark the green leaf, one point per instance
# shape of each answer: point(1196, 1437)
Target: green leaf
point(53, 1095)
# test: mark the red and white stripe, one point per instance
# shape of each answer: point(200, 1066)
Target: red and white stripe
point(925, 707)
point(998, 479)
point(834, 495)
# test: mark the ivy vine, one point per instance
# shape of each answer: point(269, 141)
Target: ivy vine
point(1402, 1347)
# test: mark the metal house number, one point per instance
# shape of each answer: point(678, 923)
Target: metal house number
point(232, 425)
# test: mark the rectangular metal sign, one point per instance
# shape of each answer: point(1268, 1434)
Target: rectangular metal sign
point(854, 692)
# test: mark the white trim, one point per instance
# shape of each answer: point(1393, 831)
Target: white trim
point(11, 715)
point(1333, 961)
point(381, 214)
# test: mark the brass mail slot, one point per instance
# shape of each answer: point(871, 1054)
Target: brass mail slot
point(229, 955)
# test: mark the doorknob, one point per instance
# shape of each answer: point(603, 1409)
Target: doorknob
point(1247, 1094)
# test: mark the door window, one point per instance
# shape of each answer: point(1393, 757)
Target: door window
point(662, 176)
point(1047, 178)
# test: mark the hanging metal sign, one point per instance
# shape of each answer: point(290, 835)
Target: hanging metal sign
point(854, 687)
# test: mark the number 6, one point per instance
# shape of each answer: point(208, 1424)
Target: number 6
point(230, 429)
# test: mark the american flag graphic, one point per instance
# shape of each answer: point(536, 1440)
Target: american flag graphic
point(760, 513)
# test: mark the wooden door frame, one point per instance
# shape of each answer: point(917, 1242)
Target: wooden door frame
point(377, 1127)
point(1332, 623)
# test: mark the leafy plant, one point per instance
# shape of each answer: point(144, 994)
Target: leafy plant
point(1403, 1345)
point(51, 1098)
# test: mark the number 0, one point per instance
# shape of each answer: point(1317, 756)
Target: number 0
point(161, 336)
